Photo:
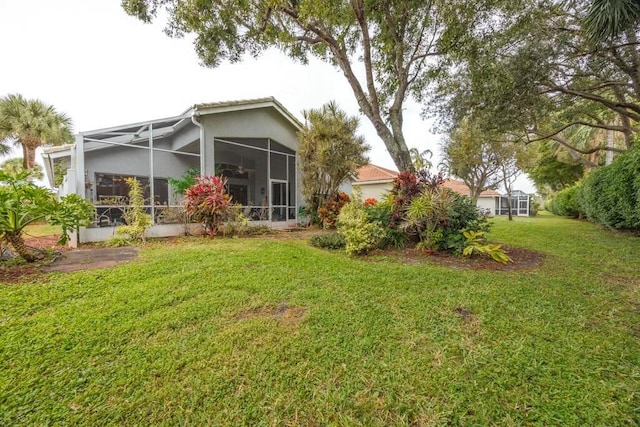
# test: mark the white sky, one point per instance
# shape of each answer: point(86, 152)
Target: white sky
point(104, 68)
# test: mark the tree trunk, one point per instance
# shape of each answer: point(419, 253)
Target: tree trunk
point(17, 243)
point(29, 147)
point(509, 205)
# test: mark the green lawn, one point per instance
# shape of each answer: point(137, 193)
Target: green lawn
point(196, 333)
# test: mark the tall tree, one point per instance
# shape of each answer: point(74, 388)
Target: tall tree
point(473, 157)
point(15, 167)
point(512, 158)
point(537, 75)
point(386, 49)
point(330, 153)
point(553, 168)
point(31, 123)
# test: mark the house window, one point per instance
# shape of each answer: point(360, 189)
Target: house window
point(114, 188)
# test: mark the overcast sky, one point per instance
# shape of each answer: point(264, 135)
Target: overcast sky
point(104, 68)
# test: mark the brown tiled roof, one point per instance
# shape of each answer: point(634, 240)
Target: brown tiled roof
point(461, 187)
point(374, 173)
point(370, 173)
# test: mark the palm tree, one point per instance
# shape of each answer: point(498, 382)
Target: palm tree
point(610, 18)
point(31, 123)
point(15, 167)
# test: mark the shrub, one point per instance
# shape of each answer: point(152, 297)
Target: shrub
point(611, 194)
point(359, 233)
point(328, 241)
point(117, 241)
point(381, 213)
point(23, 203)
point(328, 213)
point(237, 223)
point(208, 202)
point(476, 243)
point(567, 202)
point(426, 214)
point(137, 220)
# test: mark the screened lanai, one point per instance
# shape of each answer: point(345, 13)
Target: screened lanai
point(235, 140)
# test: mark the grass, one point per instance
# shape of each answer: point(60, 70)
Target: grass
point(196, 333)
point(41, 229)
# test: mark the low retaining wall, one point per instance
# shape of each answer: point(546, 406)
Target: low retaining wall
point(101, 234)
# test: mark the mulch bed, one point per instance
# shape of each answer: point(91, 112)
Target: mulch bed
point(523, 259)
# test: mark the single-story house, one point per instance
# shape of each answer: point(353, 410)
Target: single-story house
point(253, 143)
point(374, 181)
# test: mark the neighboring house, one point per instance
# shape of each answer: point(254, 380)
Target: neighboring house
point(520, 204)
point(374, 181)
point(253, 143)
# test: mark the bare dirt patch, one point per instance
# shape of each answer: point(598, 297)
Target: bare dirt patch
point(289, 316)
point(523, 259)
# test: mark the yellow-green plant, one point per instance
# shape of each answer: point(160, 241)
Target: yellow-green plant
point(360, 234)
point(476, 243)
point(137, 219)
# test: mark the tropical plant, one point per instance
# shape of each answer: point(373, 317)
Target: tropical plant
point(360, 234)
point(425, 214)
point(610, 18)
point(136, 218)
point(328, 213)
point(24, 203)
point(476, 243)
point(15, 167)
point(180, 185)
point(330, 153)
point(31, 123)
point(208, 202)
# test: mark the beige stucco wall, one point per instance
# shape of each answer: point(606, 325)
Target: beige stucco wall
point(374, 191)
point(487, 203)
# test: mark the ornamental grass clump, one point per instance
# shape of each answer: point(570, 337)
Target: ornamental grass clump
point(208, 202)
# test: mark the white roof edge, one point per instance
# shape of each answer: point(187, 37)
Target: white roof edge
point(223, 107)
point(142, 123)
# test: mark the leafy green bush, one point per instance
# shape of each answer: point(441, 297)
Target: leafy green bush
point(611, 194)
point(208, 202)
point(476, 243)
point(381, 213)
point(23, 203)
point(360, 235)
point(567, 202)
point(137, 219)
point(328, 241)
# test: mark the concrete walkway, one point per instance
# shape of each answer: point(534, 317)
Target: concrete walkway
point(88, 259)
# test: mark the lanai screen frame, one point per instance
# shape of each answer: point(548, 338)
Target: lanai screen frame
point(126, 136)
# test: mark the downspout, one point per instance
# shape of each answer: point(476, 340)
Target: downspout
point(195, 114)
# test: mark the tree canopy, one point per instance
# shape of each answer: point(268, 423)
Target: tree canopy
point(472, 157)
point(31, 123)
point(538, 76)
point(330, 153)
point(387, 50)
point(15, 167)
